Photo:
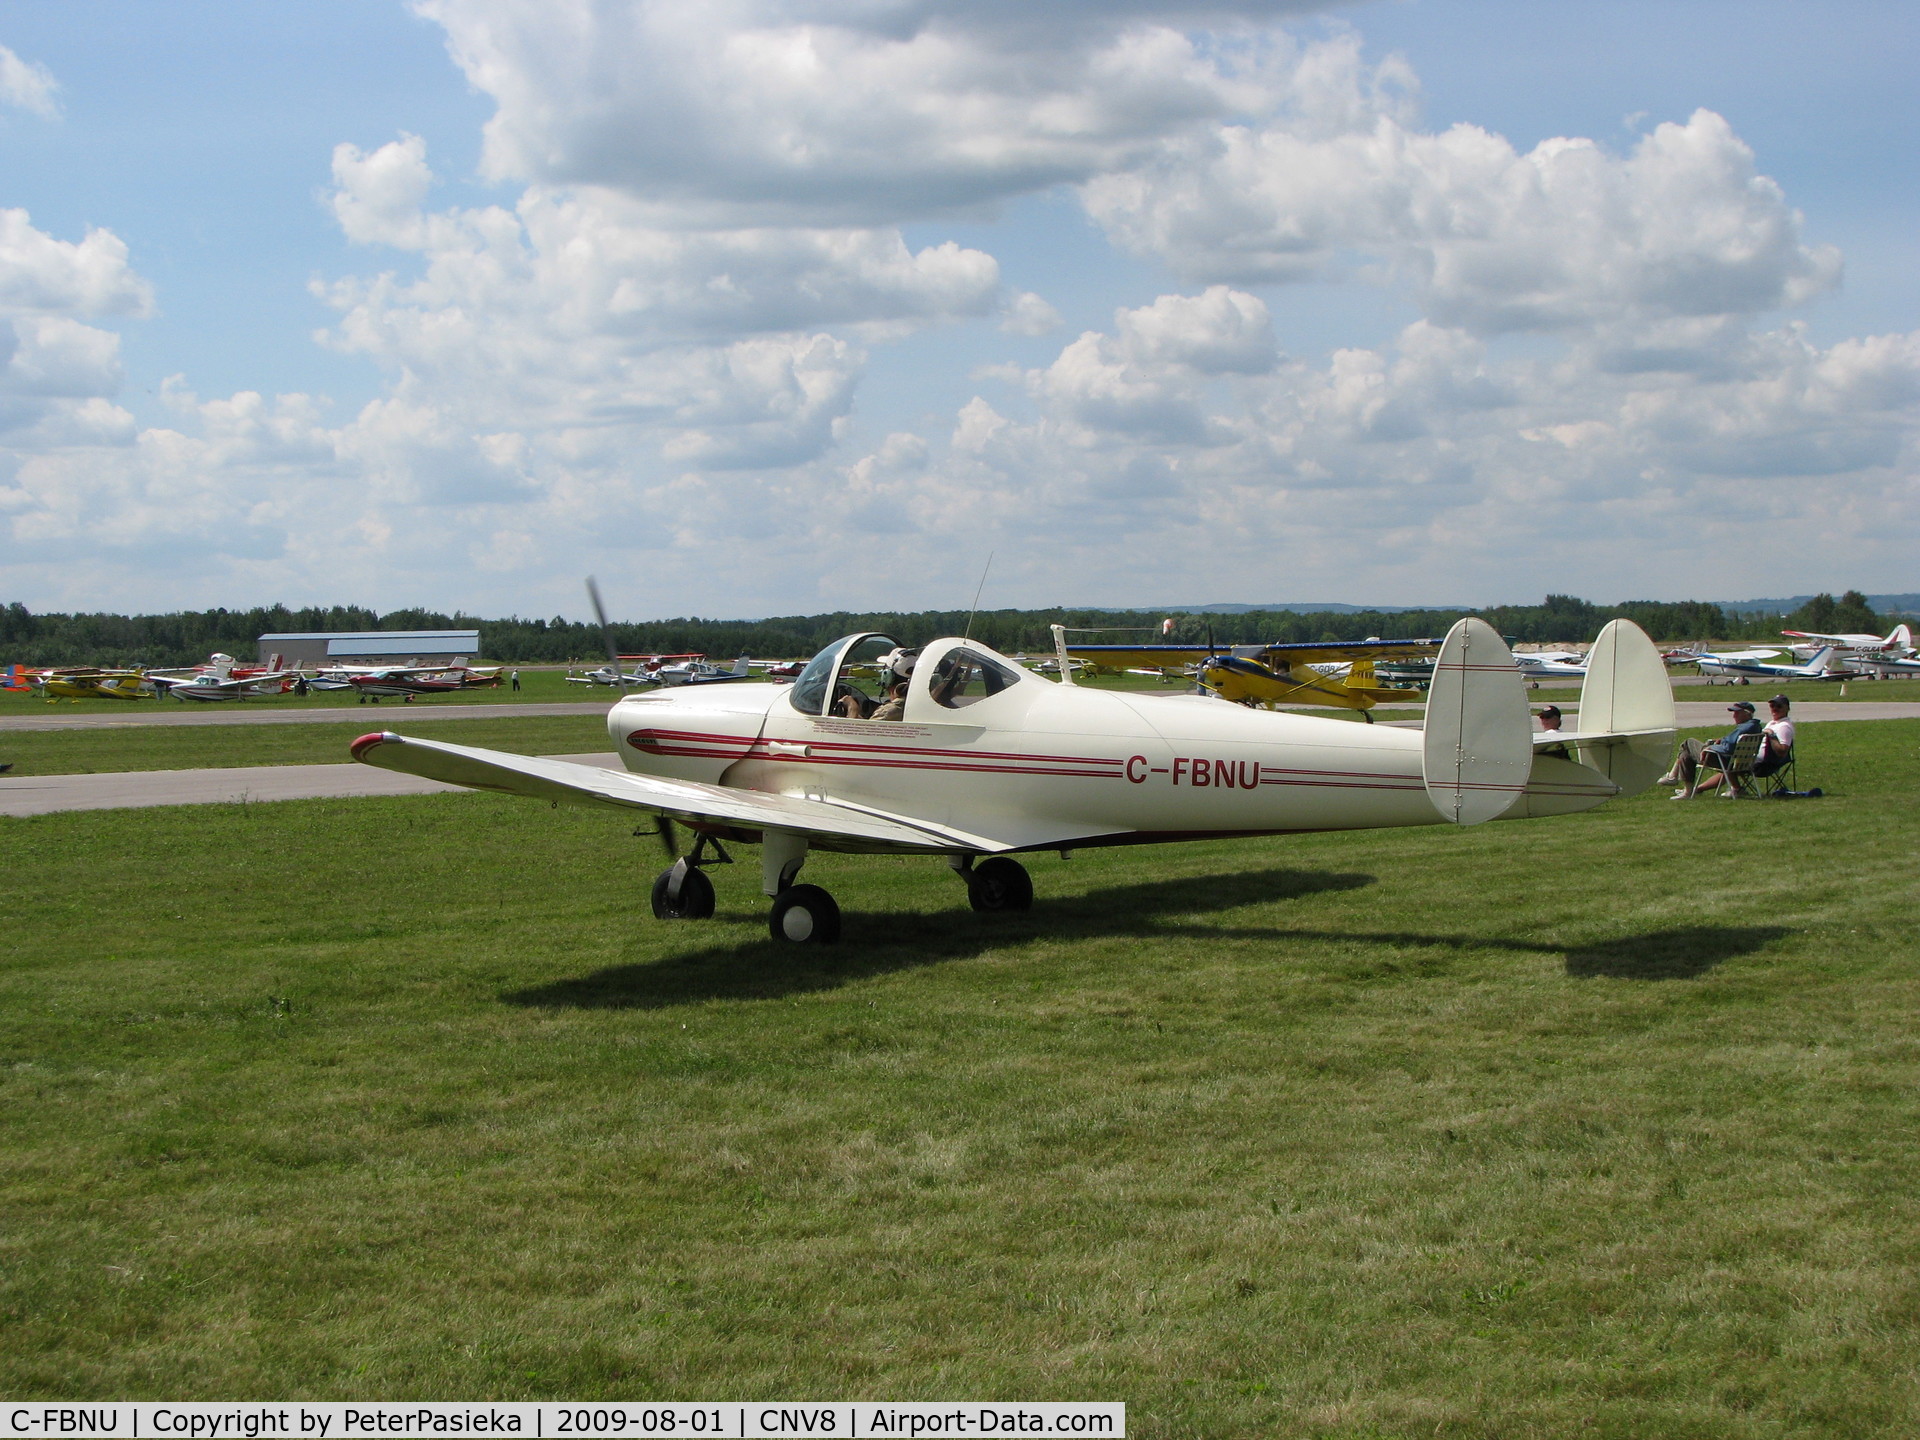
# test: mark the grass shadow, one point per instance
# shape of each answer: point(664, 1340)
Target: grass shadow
point(761, 969)
point(1682, 954)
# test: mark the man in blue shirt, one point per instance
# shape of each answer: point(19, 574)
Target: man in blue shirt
point(1687, 764)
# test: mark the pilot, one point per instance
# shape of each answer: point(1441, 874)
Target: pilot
point(894, 707)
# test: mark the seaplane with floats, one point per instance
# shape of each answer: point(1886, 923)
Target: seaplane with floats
point(953, 750)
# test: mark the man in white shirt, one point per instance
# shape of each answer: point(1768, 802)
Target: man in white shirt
point(1777, 749)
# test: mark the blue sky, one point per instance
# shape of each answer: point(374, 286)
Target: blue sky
point(774, 306)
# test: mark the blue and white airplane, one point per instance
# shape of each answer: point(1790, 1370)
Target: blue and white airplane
point(1825, 665)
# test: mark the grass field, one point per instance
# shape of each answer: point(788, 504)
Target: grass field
point(226, 747)
point(1603, 1125)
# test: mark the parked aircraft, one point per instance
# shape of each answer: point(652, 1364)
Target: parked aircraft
point(224, 678)
point(989, 760)
point(1825, 665)
point(1897, 644)
point(1543, 664)
point(83, 682)
point(1269, 674)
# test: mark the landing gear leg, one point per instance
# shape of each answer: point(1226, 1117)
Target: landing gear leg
point(802, 914)
point(682, 891)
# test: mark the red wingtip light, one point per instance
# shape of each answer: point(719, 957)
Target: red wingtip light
point(367, 742)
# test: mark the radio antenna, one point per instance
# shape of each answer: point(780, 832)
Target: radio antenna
point(976, 594)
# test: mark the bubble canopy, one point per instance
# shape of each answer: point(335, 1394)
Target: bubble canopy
point(832, 670)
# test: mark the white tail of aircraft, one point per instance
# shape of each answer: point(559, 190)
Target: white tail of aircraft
point(743, 666)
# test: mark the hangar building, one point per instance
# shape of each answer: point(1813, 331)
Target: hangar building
point(373, 647)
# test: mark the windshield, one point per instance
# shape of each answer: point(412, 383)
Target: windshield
point(850, 667)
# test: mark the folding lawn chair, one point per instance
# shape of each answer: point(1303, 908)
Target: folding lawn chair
point(1737, 765)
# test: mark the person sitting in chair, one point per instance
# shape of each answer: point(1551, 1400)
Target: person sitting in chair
point(1692, 758)
point(1777, 749)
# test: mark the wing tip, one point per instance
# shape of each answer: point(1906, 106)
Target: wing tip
point(360, 747)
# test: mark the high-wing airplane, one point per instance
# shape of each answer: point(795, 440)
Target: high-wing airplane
point(83, 682)
point(1825, 665)
point(989, 760)
point(1542, 664)
point(1852, 647)
point(1269, 674)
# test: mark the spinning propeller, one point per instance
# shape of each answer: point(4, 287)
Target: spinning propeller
point(668, 833)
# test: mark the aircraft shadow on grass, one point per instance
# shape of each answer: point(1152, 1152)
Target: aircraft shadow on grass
point(880, 945)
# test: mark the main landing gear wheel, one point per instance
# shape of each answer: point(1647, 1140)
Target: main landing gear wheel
point(804, 915)
point(695, 901)
point(1000, 884)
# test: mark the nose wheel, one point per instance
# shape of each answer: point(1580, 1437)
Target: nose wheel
point(682, 891)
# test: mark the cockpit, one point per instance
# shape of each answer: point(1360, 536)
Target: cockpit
point(872, 676)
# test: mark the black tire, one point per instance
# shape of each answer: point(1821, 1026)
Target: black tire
point(804, 915)
point(696, 896)
point(1000, 884)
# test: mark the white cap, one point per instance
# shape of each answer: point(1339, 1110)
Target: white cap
point(900, 661)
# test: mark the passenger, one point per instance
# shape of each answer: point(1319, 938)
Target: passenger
point(1688, 763)
point(894, 707)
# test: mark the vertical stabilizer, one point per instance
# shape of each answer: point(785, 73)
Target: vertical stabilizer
point(1477, 750)
point(1626, 695)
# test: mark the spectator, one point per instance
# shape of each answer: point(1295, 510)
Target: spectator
point(1550, 718)
point(1777, 749)
point(1687, 764)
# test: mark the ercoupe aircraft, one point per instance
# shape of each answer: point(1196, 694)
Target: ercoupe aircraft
point(1268, 674)
point(987, 760)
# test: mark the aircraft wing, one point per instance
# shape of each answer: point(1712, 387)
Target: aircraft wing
point(563, 782)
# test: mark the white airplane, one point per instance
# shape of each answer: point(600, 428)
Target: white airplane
point(1825, 665)
point(1536, 664)
point(1896, 645)
point(224, 678)
point(990, 760)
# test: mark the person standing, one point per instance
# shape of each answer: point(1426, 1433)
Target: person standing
point(514, 676)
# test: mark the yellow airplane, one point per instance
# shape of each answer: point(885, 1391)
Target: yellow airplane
point(81, 683)
point(1268, 675)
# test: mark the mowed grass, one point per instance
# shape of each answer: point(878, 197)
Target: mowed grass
point(1601, 1125)
point(226, 747)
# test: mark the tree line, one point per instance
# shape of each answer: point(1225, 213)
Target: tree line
point(189, 636)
